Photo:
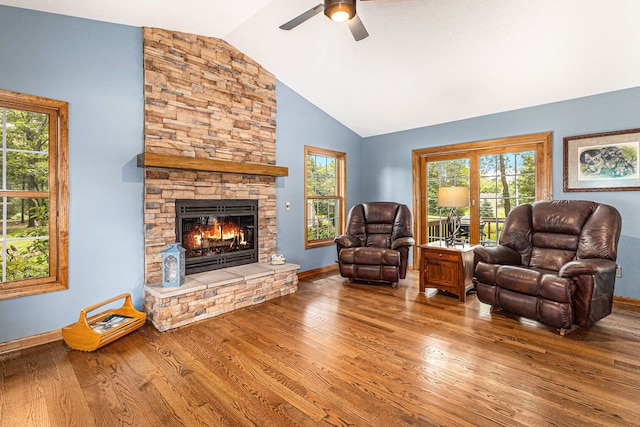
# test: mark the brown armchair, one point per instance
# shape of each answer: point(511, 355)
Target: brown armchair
point(555, 263)
point(376, 243)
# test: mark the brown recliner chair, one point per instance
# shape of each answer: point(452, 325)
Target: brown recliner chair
point(376, 243)
point(555, 263)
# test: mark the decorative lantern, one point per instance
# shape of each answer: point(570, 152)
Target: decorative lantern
point(173, 268)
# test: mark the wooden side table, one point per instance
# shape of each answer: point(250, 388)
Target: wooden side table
point(446, 268)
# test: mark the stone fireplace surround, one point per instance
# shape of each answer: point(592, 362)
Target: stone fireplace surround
point(209, 134)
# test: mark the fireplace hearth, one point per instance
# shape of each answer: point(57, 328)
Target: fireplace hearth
point(217, 233)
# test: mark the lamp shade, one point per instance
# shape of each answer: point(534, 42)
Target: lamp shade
point(453, 197)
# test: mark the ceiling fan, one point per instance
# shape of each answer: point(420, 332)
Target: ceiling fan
point(338, 11)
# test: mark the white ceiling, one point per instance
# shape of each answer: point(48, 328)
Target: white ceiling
point(425, 61)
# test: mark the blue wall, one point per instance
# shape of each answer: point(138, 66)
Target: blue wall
point(301, 123)
point(388, 157)
point(97, 68)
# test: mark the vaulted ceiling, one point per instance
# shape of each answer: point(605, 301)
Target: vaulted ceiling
point(425, 61)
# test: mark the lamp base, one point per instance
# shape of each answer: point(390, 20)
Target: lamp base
point(453, 228)
point(452, 242)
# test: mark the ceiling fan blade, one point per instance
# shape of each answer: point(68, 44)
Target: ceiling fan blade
point(303, 17)
point(357, 28)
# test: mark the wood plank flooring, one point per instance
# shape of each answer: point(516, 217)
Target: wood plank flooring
point(338, 354)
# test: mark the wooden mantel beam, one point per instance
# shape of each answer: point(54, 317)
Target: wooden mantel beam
point(209, 165)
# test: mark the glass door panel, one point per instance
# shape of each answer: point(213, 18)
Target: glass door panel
point(506, 180)
point(444, 173)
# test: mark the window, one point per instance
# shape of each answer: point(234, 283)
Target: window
point(500, 174)
point(34, 195)
point(443, 173)
point(506, 181)
point(324, 196)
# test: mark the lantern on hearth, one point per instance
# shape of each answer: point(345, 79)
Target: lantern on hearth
point(173, 269)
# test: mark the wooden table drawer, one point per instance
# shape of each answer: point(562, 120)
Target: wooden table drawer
point(445, 256)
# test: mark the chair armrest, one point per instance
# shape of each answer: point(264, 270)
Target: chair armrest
point(588, 266)
point(402, 241)
point(347, 241)
point(497, 255)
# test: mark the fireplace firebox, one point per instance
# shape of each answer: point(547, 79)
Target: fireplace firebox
point(217, 233)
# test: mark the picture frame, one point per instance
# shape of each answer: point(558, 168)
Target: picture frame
point(608, 161)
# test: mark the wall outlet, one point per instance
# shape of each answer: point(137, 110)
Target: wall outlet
point(619, 271)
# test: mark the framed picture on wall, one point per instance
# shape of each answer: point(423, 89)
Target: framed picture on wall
point(602, 161)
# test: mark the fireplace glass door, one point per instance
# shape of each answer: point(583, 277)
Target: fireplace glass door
point(217, 233)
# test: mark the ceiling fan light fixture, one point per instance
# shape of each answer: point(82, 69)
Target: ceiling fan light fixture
point(340, 16)
point(340, 10)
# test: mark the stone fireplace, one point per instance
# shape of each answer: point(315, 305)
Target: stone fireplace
point(209, 135)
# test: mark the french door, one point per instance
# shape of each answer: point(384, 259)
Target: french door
point(500, 175)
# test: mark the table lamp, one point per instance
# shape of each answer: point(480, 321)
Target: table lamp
point(453, 197)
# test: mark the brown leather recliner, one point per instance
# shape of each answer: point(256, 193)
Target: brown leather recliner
point(555, 263)
point(376, 243)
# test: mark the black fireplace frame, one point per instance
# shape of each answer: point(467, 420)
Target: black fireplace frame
point(188, 208)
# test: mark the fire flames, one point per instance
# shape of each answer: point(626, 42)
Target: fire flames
point(215, 237)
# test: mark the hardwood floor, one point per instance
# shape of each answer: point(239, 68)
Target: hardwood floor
point(338, 354)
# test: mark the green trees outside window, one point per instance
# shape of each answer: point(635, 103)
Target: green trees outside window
point(445, 173)
point(25, 168)
point(506, 181)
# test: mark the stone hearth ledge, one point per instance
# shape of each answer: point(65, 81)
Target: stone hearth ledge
point(209, 294)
